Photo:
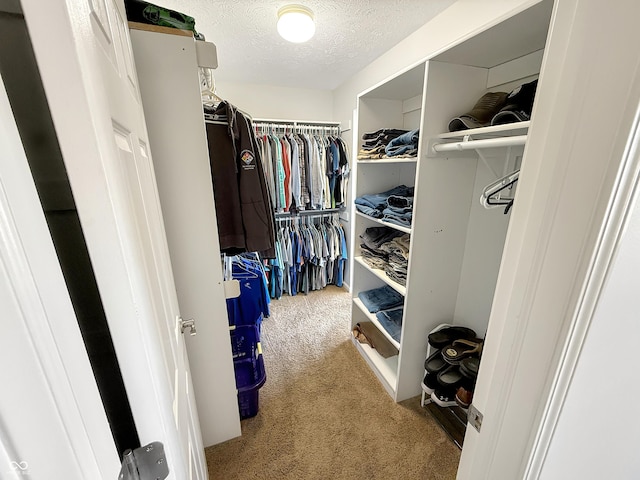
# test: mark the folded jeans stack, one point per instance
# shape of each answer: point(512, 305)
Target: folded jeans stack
point(405, 144)
point(387, 304)
point(372, 239)
point(391, 320)
point(386, 249)
point(394, 206)
point(374, 143)
point(389, 142)
point(398, 258)
point(382, 298)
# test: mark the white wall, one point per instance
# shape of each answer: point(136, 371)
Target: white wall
point(268, 101)
point(598, 432)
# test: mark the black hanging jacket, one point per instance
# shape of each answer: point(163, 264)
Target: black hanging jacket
point(245, 219)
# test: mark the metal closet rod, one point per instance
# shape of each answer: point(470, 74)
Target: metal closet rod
point(483, 143)
point(297, 122)
point(309, 213)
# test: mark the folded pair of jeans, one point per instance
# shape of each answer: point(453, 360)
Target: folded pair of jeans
point(375, 237)
point(402, 219)
point(399, 202)
point(379, 200)
point(398, 245)
point(367, 210)
point(391, 321)
point(382, 298)
point(375, 262)
point(401, 279)
point(397, 210)
point(403, 222)
point(383, 131)
point(382, 139)
point(402, 144)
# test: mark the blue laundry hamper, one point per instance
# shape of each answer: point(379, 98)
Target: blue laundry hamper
point(248, 365)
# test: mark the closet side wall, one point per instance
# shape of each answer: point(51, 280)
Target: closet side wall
point(181, 160)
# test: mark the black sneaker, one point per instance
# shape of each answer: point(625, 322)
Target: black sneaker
point(444, 397)
point(430, 383)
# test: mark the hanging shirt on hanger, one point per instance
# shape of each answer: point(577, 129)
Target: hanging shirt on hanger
point(245, 219)
point(295, 172)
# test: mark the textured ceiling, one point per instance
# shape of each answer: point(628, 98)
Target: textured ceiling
point(349, 35)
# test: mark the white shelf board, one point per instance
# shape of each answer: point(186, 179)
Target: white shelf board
point(382, 276)
point(373, 319)
point(506, 130)
point(386, 369)
point(386, 224)
point(402, 86)
point(371, 161)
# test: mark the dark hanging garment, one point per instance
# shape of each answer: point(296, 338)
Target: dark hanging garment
point(243, 206)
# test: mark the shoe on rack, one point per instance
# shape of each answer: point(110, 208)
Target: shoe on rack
point(435, 363)
point(444, 397)
point(430, 383)
point(450, 377)
point(462, 348)
point(464, 397)
point(447, 335)
point(469, 367)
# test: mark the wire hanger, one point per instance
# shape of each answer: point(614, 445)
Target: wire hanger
point(492, 194)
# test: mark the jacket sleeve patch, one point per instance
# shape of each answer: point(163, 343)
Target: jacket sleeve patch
point(247, 160)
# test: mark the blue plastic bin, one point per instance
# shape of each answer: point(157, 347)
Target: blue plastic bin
point(249, 368)
point(250, 376)
point(244, 341)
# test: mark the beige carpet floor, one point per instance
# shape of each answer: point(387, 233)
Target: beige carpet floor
point(323, 414)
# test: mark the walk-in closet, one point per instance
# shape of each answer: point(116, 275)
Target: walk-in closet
point(392, 242)
point(393, 221)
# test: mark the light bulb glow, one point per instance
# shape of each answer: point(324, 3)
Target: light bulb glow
point(295, 23)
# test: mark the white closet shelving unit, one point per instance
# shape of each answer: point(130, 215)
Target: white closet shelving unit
point(456, 244)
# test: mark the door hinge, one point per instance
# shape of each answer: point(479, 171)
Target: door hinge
point(144, 463)
point(474, 417)
point(184, 324)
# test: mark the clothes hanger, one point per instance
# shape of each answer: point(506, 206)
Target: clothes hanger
point(208, 87)
point(491, 195)
point(237, 261)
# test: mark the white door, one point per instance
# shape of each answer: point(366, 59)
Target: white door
point(92, 89)
point(52, 425)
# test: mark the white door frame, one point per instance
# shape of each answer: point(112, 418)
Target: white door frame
point(576, 182)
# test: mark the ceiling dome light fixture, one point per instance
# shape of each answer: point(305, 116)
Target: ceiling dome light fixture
point(295, 23)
